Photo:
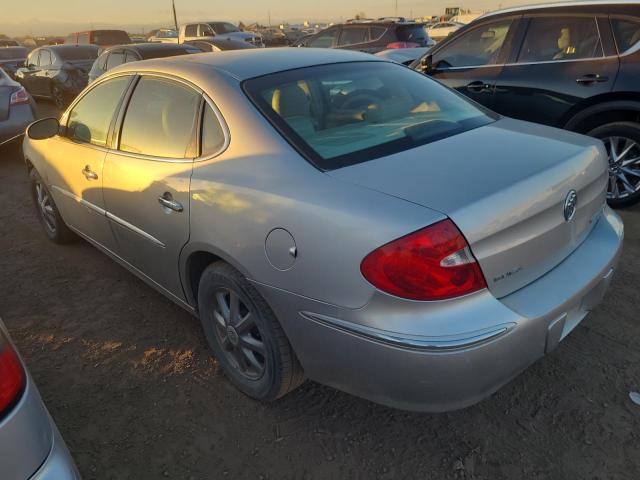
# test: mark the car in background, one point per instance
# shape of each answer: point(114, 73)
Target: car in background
point(115, 56)
point(8, 42)
point(241, 185)
point(17, 109)
point(31, 447)
point(570, 65)
point(405, 56)
point(219, 45)
point(164, 35)
point(218, 30)
point(441, 30)
point(370, 36)
point(12, 58)
point(58, 72)
point(102, 38)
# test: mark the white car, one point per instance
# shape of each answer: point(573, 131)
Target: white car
point(442, 30)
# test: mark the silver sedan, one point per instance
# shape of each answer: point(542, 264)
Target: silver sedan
point(334, 216)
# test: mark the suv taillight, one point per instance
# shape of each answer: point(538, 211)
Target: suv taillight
point(403, 45)
point(19, 97)
point(12, 377)
point(434, 263)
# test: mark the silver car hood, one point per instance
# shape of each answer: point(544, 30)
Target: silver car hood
point(505, 186)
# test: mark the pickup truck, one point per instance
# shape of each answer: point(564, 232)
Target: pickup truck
point(218, 30)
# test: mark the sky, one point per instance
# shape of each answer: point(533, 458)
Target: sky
point(47, 17)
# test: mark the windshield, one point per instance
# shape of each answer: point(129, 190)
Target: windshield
point(78, 53)
point(110, 37)
point(341, 114)
point(223, 27)
point(12, 53)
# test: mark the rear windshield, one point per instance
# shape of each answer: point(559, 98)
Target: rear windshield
point(13, 52)
point(110, 37)
point(341, 114)
point(412, 33)
point(223, 27)
point(78, 53)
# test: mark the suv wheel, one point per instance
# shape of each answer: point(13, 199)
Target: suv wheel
point(245, 336)
point(622, 140)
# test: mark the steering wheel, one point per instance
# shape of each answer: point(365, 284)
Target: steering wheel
point(360, 99)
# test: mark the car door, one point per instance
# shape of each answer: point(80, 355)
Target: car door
point(147, 178)
point(563, 60)
point(76, 158)
point(27, 74)
point(472, 62)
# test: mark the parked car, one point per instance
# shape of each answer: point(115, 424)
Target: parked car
point(102, 38)
point(219, 45)
point(115, 56)
point(58, 72)
point(370, 36)
point(218, 30)
point(17, 109)
point(241, 185)
point(442, 30)
point(164, 35)
point(405, 56)
point(12, 58)
point(7, 42)
point(31, 446)
point(569, 65)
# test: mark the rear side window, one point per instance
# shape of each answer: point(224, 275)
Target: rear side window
point(627, 33)
point(353, 35)
point(324, 39)
point(481, 46)
point(160, 119)
point(115, 59)
point(212, 133)
point(377, 33)
point(561, 38)
point(45, 58)
point(90, 119)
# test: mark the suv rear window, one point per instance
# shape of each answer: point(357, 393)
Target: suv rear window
point(110, 37)
point(341, 114)
point(412, 33)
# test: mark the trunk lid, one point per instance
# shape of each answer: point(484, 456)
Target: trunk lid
point(505, 186)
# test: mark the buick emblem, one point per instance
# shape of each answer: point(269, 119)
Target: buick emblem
point(570, 204)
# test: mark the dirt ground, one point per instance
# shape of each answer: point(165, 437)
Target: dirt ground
point(128, 378)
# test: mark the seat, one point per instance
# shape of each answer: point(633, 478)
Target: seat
point(293, 103)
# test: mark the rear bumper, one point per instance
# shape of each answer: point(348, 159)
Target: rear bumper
point(456, 353)
point(20, 117)
point(59, 465)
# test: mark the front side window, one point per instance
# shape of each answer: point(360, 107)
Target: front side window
point(353, 35)
point(32, 61)
point(224, 27)
point(191, 31)
point(90, 119)
point(481, 46)
point(45, 58)
point(337, 115)
point(160, 119)
point(627, 33)
point(561, 38)
point(324, 39)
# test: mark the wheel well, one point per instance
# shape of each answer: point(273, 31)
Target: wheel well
point(597, 119)
point(196, 264)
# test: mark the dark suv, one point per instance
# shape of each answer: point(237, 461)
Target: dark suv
point(572, 65)
point(370, 36)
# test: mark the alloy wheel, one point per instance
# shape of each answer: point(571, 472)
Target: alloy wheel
point(238, 334)
point(45, 207)
point(58, 98)
point(624, 167)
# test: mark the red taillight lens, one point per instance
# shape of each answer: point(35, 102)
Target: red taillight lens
point(403, 45)
point(434, 263)
point(11, 377)
point(19, 97)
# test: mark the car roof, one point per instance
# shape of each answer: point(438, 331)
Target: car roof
point(245, 64)
point(565, 4)
point(69, 46)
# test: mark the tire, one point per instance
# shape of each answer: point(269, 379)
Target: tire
point(47, 211)
point(254, 352)
point(624, 178)
point(59, 98)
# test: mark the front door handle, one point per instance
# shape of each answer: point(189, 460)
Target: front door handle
point(167, 201)
point(477, 87)
point(89, 174)
point(592, 78)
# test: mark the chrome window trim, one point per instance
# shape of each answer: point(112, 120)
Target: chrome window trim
point(514, 64)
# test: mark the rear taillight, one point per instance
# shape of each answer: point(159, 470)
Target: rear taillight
point(19, 97)
point(11, 377)
point(434, 263)
point(403, 45)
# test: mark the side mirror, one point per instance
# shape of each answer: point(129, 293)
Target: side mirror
point(426, 64)
point(43, 129)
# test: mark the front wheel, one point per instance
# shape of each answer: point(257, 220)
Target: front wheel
point(622, 141)
point(245, 336)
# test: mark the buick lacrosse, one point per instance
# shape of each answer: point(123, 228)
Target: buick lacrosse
point(334, 216)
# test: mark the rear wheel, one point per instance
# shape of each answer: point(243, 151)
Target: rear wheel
point(47, 211)
point(245, 336)
point(59, 97)
point(622, 140)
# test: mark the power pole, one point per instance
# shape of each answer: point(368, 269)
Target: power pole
point(396, 8)
point(175, 17)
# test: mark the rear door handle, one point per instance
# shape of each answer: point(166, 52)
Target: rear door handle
point(477, 87)
point(592, 78)
point(167, 201)
point(89, 174)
